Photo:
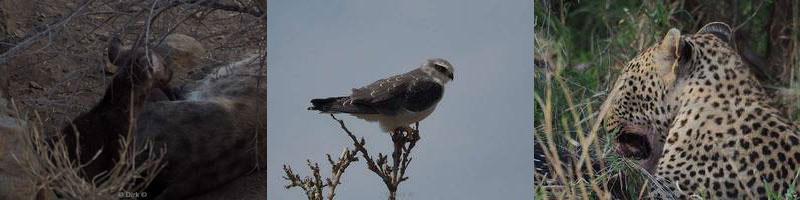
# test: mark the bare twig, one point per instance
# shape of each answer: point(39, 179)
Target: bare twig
point(48, 31)
point(337, 169)
point(306, 183)
point(404, 140)
point(392, 175)
point(255, 11)
point(314, 185)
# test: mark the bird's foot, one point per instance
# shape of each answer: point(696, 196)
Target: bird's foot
point(412, 134)
point(399, 134)
point(406, 133)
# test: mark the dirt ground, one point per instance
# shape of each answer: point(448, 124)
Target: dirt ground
point(64, 74)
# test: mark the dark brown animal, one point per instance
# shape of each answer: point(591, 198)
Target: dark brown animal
point(100, 128)
point(214, 135)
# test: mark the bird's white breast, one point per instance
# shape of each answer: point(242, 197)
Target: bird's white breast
point(401, 119)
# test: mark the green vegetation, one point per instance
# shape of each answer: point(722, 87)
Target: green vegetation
point(580, 48)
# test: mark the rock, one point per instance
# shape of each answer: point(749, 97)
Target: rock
point(15, 182)
point(181, 52)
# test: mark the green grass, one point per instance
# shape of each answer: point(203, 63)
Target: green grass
point(586, 45)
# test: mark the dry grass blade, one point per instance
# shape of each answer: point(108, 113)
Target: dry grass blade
point(49, 167)
point(551, 153)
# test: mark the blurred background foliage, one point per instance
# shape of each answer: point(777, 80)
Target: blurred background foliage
point(580, 47)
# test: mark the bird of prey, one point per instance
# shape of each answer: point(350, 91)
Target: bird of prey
point(395, 102)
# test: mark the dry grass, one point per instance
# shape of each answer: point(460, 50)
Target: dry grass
point(50, 169)
point(581, 179)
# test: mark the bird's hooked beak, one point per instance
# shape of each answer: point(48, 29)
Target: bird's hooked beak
point(450, 76)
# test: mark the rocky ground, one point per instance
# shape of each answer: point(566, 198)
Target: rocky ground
point(64, 74)
point(64, 71)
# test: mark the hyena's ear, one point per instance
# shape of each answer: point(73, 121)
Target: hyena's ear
point(114, 50)
point(719, 29)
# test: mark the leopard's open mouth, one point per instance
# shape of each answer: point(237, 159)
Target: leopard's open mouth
point(632, 145)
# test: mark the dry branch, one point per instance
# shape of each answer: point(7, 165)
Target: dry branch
point(48, 31)
point(254, 10)
point(314, 185)
point(392, 176)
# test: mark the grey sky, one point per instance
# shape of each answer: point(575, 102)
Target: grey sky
point(478, 142)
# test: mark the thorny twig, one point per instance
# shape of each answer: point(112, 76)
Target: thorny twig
point(255, 11)
point(337, 169)
point(313, 185)
point(48, 31)
point(392, 176)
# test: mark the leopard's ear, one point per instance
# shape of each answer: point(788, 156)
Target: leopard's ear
point(674, 54)
point(667, 54)
point(669, 46)
point(719, 29)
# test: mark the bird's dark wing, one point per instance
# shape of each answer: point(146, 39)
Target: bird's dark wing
point(422, 95)
point(414, 91)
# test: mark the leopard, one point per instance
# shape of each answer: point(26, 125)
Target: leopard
point(691, 113)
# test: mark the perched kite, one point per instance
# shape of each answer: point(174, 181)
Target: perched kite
point(395, 102)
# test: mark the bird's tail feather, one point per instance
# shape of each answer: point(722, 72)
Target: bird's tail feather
point(339, 105)
point(326, 104)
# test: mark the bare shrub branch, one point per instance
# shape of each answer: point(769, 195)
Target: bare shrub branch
point(252, 10)
point(391, 175)
point(314, 185)
point(48, 31)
